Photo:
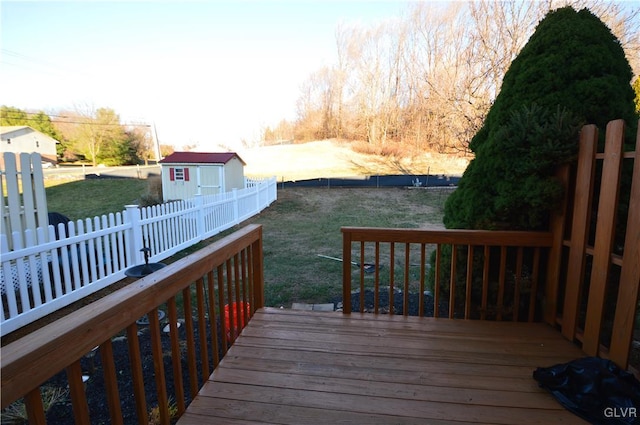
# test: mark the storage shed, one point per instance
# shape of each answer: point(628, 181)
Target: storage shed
point(186, 174)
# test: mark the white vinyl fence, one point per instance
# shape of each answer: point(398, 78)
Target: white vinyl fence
point(44, 273)
point(23, 204)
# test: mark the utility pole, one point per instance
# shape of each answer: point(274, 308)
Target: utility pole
point(156, 143)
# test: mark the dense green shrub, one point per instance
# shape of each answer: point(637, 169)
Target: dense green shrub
point(514, 186)
point(572, 70)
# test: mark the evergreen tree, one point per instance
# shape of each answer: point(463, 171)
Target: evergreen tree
point(573, 70)
point(40, 121)
point(12, 116)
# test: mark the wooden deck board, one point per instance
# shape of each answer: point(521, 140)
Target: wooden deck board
point(295, 367)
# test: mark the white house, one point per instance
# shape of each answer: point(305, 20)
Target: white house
point(186, 174)
point(22, 138)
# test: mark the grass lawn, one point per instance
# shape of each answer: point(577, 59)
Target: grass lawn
point(301, 224)
point(305, 222)
point(80, 199)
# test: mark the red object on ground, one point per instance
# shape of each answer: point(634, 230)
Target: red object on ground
point(230, 311)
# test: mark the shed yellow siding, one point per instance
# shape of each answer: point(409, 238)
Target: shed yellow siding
point(204, 179)
point(179, 189)
point(233, 175)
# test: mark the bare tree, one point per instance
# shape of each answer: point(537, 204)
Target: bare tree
point(428, 80)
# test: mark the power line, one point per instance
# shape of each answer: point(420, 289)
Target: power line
point(63, 121)
point(57, 69)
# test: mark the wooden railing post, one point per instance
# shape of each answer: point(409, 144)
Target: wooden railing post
point(605, 232)
point(624, 320)
point(346, 272)
point(257, 273)
point(579, 229)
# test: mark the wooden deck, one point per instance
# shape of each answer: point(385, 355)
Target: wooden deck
point(299, 367)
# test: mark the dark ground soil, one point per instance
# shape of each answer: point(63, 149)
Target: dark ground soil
point(61, 412)
point(398, 303)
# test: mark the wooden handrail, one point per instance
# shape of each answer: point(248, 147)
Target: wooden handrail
point(579, 266)
point(464, 240)
point(30, 361)
point(448, 236)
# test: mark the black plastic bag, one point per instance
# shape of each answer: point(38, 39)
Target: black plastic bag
point(595, 389)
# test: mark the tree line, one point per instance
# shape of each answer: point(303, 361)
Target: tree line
point(96, 136)
point(427, 80)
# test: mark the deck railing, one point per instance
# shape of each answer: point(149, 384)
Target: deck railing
point(393, 263)
point(582, 277)
point(208, 297)
point(594, 281)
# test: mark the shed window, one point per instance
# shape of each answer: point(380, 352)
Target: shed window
point(179, 174)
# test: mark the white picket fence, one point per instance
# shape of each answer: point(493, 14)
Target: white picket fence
point(43, 274)
point(23, 204)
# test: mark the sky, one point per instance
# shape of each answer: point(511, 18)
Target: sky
point(205, 73)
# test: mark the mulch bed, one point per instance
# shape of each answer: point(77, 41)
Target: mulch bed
point(398, 303)
point(61, 412)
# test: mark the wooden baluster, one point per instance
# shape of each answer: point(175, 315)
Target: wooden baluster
point(501, 281)
point(78, 396)
point(231, 332)
point(361, 277)
point(111, 382)
point(243, 273)
point(534, 284)
point(190, 337)
point(517, 284)
point(135, 359)
point(392, 263)
point(35, 407)
point(158, 366)
point(452, 281)
point(376, 279)
point(436, 286)
point(485, 283)
point(213, 317)
point(221, 314)
point(423, 273)
point(236, 286)
point(176, 354)
point(202, 327)
point(467, 301)
point(407, 255)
